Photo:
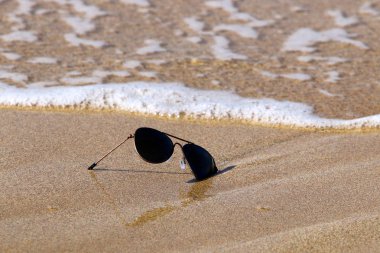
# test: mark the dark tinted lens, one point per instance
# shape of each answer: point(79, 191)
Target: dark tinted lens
point(201, 162)
point(153, 145)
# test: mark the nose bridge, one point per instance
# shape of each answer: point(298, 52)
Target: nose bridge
point(179, 144)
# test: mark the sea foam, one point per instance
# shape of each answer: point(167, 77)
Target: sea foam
point(340, 19)
point(221, 50)
point(305, 38)
point(175, 100)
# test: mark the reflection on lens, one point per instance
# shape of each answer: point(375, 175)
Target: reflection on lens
point(153, 145)
point(201, 162)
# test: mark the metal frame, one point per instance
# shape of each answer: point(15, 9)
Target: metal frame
point(131, 136)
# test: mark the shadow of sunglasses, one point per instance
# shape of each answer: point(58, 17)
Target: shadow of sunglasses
point(155, 146)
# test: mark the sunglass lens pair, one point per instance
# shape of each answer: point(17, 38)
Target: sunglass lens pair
point(153, 145)
point(201, 162)
point(156, 147)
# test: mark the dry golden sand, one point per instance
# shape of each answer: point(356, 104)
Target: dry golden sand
point(279, 190)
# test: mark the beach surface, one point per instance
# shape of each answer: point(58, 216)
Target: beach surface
point(280, 190)
point(284, 94)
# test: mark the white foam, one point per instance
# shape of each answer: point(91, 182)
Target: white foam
point(132, 64)
point(269, 74)
point(294, 76)
point(194, 24)
point(43, 60)
point(15, 77)
point(278, 16)
point(8, 67)
point(106, 73)
point(194, 39)
point(297, 76)
point(327, 93)
point(297, 8)
point(305, 38)
point(221, 50)
point(18, 22)
point(142, 3)
point(144, 10)
point(174, 99)
point(157, 61)
point(43, 84)
point(225, 5)
point(79, 25)
point(215, 82)
point(253, 22)
point(152, 47)
point(367, 8)
point(41, 12)
point(178, 32)
point(89, 60)
point(24, 7)
point(118, 51)
point(235, 14)
point(332, 76)
point(73, 73)
point(331, 60)
point(340, 19)
point(241, 30)
point(89, 11)
point(74, 40)
point(81, 80)
point(148, 74)
point(11, 56)
point(27, 36)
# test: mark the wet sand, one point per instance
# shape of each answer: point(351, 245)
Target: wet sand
point(281, 190)
point(125, 27)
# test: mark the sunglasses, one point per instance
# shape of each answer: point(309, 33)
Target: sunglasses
point(155, 146)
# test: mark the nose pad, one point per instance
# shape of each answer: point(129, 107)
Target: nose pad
point(182, 163)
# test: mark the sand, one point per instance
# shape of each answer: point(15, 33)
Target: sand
point(280, 190)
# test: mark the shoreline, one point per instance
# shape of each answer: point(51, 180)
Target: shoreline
point(178, 100)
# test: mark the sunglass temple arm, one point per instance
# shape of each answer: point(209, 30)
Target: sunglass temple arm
point(92, 166)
